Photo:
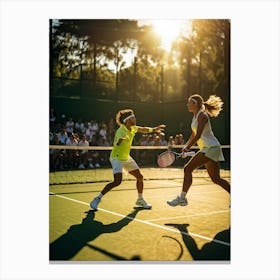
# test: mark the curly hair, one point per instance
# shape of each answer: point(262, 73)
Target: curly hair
point(122, 114)
point(212, 106)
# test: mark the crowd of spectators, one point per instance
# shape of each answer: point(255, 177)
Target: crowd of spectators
point(70, 132)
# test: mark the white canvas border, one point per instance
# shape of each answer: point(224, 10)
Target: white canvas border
point(254, 128)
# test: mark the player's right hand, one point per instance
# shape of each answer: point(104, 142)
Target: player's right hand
point(185, 149)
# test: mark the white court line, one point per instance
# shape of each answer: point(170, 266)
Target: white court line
point(192, 193)
point(146, 222)
point(180, 185)
point(168, 183)
point(177, 217)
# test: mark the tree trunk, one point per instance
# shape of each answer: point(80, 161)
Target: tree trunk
point(227, 50)
point(199, 72)
point(94, 67)
point(134, 79)
point(51, 59)
point(161, 84)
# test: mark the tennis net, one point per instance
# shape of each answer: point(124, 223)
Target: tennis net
point(81, 165)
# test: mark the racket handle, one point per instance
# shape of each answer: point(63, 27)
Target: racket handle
point(188, 154)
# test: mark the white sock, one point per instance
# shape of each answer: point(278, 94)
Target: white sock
point(140, 196)
point(100, 195)
point(183, 195)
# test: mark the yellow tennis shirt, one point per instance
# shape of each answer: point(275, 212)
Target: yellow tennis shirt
point(122, 151)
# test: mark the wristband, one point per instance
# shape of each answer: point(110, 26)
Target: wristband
point(151, 129)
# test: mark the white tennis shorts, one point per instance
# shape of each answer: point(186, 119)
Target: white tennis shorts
point(127, 165)
point(215, 153)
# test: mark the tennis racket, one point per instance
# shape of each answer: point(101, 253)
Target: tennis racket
point(167, 158)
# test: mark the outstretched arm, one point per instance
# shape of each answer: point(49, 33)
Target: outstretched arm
point(114, 227)
point(156, 129)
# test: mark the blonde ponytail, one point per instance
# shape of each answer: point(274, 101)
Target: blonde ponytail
point(213, 105)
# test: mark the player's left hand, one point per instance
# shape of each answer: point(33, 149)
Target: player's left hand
point(160, 128)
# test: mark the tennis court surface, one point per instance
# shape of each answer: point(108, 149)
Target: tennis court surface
point(119, 231)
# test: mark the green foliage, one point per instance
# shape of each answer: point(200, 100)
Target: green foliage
point(95, 50)
point(203, 62)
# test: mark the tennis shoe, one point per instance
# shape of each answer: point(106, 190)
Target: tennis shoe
point(95, 203)
point(142, 203)
point(178, 201)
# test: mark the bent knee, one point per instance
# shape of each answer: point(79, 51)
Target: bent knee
point(140, 177)
point(117, 182)
point(188, 169)
point(217, 181)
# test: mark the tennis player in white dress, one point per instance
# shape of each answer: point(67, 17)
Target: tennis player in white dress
point(210, 152)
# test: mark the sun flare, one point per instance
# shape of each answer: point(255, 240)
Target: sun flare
point(170, 29)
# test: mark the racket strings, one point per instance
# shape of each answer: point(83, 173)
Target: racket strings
point(165, 159)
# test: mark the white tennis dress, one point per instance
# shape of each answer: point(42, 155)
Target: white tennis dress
point(208, 143)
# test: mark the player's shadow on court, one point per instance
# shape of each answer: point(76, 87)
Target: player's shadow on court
point(209, 251)
point(78, 236)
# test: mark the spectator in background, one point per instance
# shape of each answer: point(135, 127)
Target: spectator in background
point(83, 154)
point(93, 127)
point(155, 153)
point(62, 135)
point(72, 155)
point(87, 131)
point(163, 142)
point(149, 156)
point(103, 131)
point(71, 140)
point(179, 140)
point(101, 123)
point(111, 131)
point(176, 140)
point(104, 155)
point(142, 155)
point(150, 140)
point(171, 141)
point(94, 141)
point(103, 142)
point(77, 137)
point(83, 127)
point(156, 140)
point(94, 156)
point(70, 125)
point(143, 140)
point(56, 156)
point(79, 126)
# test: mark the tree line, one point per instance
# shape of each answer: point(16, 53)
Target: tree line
point(90, 59)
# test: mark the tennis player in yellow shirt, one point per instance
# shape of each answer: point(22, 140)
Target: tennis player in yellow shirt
point(120, 156)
